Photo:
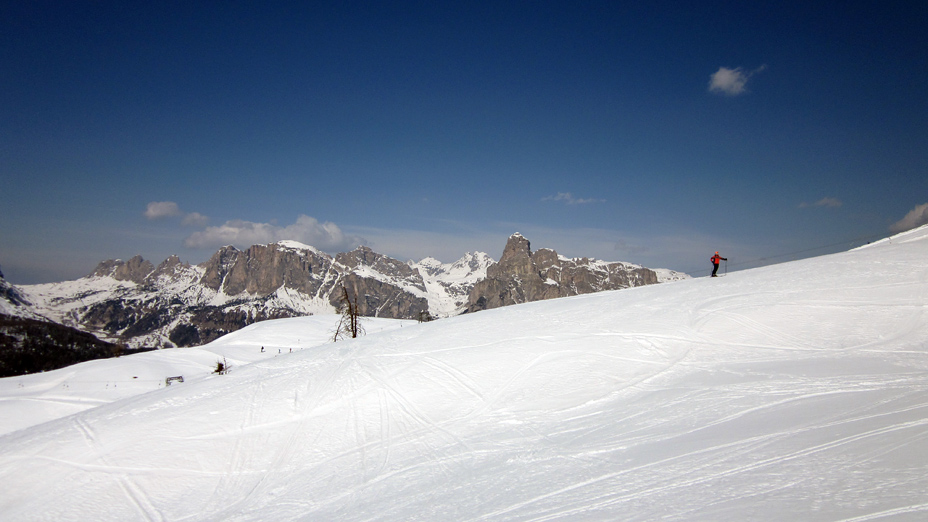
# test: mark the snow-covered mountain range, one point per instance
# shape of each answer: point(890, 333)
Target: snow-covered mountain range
point(177, 304)
point(796, 391)
point(141, 305)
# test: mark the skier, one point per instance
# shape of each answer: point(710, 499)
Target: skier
point(715, 263)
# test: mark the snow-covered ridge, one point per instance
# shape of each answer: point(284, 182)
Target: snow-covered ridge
point(296, 245)
point(448, 285)
point(916, 234)
point(790, 392)
point(663, 274)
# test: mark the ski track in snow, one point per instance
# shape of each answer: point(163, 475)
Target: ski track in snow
point(135, 494)
point(793, 391)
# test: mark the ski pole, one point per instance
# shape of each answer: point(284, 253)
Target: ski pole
point(726, 267)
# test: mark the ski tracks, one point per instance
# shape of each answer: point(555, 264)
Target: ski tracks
point(688, 477)
point(904, 510)
point(391, 395)
point(234, 479)
point(133, 492)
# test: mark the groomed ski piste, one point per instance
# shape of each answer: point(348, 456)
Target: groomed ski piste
point(791, 392)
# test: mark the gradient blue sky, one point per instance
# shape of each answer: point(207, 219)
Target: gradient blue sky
point(650, 132)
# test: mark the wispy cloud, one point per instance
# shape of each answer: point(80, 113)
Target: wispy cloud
point(168, 209)
point(162, 209)
point(916, 217)
point(195, 219)
point(824, 202)
point(731, 82)
point(569, 199)
point(324, 236)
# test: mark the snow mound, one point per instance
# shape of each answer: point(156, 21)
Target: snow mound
point(795, 391)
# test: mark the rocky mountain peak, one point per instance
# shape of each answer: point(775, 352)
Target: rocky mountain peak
point(169, 264)
point(360, 256)
point(427, 266)
point(364, 256)
point(171, 269)
point(473, 262)
point(516, 246)
point(516, 258)
point(135, 269)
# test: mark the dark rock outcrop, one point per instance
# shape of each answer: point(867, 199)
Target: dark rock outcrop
point(29, 346)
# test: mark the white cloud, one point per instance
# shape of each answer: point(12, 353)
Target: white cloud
point(195, 219)
point(162, 209)
point(568, 198)
point(824, 202)
point(324, 236)
point(169, 209)
point(916, 217)
point(731, 82)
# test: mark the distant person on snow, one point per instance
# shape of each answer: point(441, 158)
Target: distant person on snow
point(715, 263)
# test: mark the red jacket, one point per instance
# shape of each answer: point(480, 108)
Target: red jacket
point(716, 258)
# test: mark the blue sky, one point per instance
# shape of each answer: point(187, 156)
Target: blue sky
point(649, 132)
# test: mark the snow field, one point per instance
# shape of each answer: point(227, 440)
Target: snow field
point(37, 398)
point(796, 391)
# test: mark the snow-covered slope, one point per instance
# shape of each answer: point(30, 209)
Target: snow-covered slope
point(791, 392)
point(36, 398)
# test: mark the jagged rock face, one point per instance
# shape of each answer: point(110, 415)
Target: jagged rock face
point(514, 279)
point(521, 277)
point(378, 299)
point(218, 267)
point(262, 269)
point(516, 260)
